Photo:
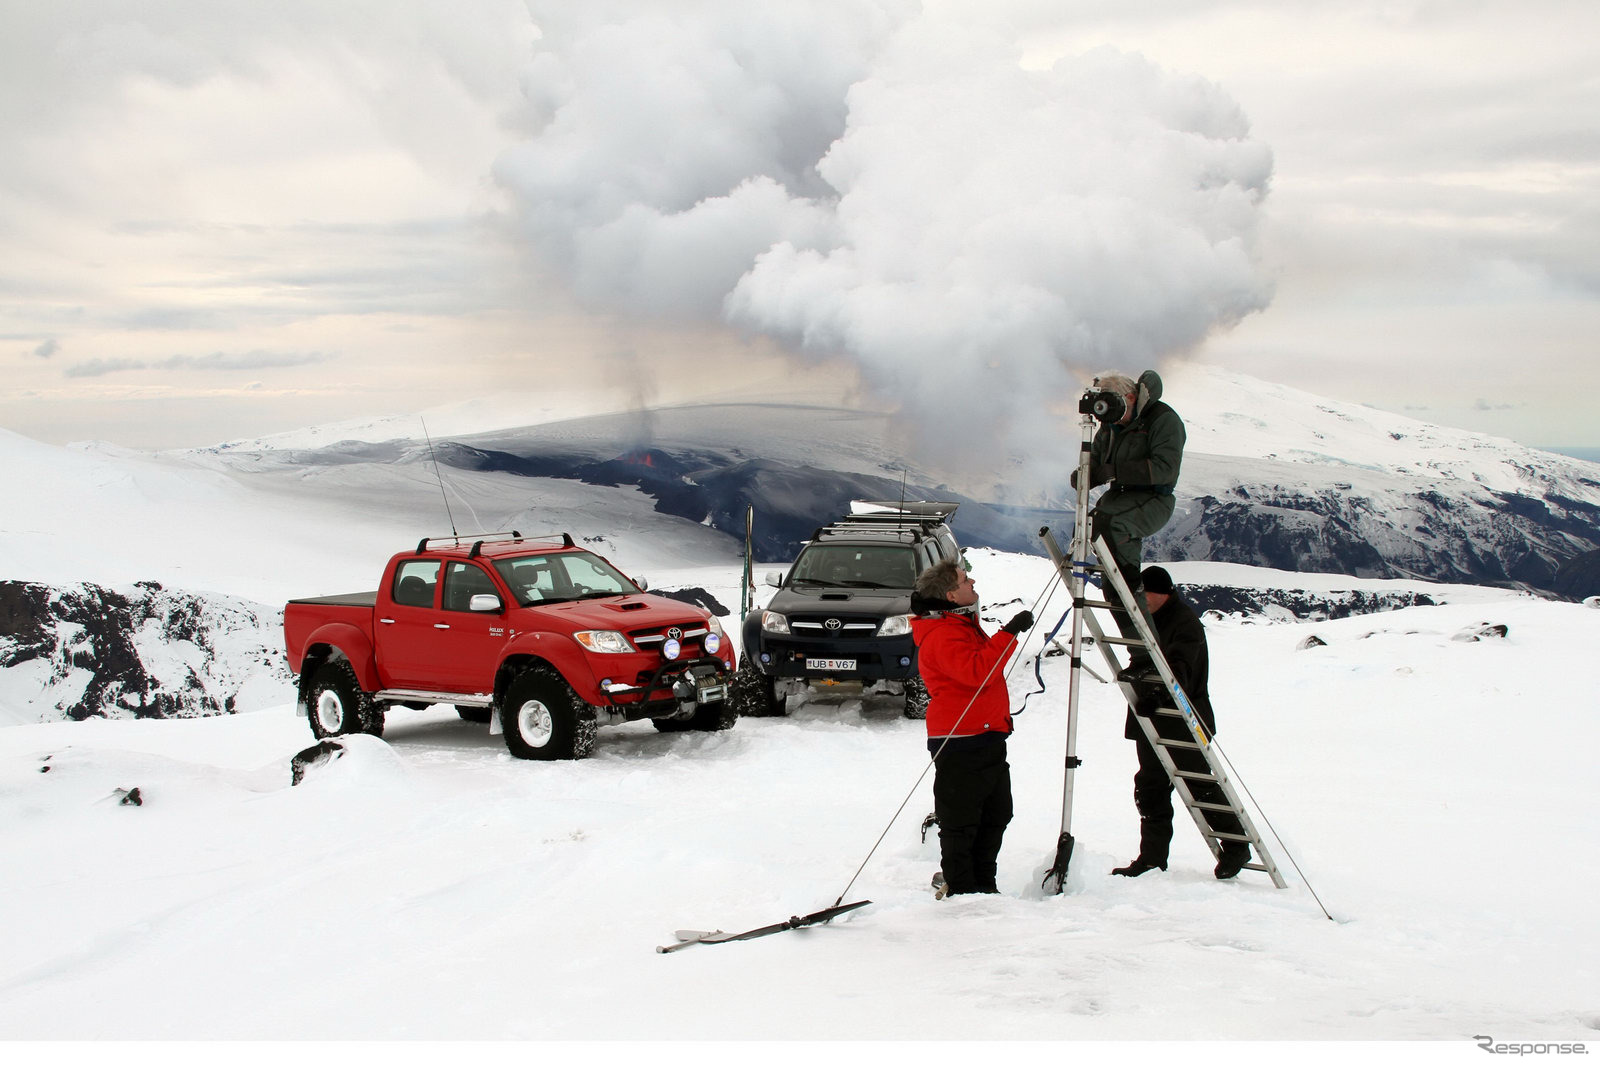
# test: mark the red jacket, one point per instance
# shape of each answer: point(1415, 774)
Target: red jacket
point(964, 670)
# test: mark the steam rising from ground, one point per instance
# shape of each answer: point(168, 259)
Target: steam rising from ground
point(864, 180)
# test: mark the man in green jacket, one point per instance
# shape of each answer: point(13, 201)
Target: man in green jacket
point(1138, 452)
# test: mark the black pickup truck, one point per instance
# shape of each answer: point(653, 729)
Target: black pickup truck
point(841, 615)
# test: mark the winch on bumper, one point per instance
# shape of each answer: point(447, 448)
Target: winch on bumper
point(690, 684)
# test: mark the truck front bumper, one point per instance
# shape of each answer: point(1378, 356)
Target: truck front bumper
point(868, 661)
point(678, 685)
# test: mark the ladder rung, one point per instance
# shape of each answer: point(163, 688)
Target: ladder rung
point(1207, 806)
point(1098, 604)
point(1229, 837)
point(1169, 712)
point(1163, 743)
point(1195, 776)
point(1132, 642)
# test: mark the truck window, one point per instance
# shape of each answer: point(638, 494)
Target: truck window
point(856, 565)
point(462, 581)
point(414, 583)
point(561, 576)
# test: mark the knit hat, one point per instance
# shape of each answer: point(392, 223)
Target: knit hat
point(1156, 580)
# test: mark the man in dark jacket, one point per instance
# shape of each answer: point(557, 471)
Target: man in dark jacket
point(1182, 638)
point(1139, 454)
point(1138, 451)
point(969, 718)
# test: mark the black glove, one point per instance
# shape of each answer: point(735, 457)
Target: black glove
point(1099, 474)
point(1022, 620)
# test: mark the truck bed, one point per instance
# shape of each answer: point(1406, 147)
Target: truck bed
point(347, 600)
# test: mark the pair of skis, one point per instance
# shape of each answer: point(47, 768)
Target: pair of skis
point(795, 922)
point(685, 938)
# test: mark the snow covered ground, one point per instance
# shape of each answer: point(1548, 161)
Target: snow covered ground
point(1437, 793)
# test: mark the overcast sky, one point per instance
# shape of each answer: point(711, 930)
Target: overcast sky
point(223, 219)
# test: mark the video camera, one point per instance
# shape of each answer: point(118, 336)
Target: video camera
point(1103, 404)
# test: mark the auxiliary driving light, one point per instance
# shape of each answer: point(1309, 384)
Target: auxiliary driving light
point(711, 644)
point(672, 648)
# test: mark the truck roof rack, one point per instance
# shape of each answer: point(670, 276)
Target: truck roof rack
point(908, 519)
point(479, 540)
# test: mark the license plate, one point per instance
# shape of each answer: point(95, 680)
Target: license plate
point(830, 664)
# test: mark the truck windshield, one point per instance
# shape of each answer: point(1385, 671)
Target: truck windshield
point(562, 576)
point(858, 566)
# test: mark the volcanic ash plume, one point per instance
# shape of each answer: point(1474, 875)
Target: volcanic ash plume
point(865, 181)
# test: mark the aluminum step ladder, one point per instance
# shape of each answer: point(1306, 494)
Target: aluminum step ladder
point(1210, 780)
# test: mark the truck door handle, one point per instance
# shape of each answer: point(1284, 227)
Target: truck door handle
point(387, 622)
point(441, 626)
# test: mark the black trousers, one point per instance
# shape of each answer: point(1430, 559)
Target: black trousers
point(1152, 795)
point(972, 798)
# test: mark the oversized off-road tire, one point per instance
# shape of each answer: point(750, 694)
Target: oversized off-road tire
point(336, 704)
point(544, 719)
point(916, 698)
point(472, 714)
point(753, 694)
point(712, 715)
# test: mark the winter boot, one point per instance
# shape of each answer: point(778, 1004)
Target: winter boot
point(1231, 862)
point(1139, 866)
point(940, 889)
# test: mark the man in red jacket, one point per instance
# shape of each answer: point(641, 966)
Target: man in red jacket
point(969, 716)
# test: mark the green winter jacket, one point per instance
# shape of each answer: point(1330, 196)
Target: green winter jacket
point(1146, 452)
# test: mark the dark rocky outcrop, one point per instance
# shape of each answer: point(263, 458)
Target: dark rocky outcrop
point(136, 652)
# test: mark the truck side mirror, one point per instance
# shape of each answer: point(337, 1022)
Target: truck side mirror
point(487, 602)
point(642, 583)
point(775, 579)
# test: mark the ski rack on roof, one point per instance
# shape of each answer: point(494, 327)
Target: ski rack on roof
point(910, 517)
point(925, 509)
point(479, 540)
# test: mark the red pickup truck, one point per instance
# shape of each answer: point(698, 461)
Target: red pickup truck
point(541, 639)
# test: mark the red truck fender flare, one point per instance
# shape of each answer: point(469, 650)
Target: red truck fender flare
point(562, 652)
point(350, 641)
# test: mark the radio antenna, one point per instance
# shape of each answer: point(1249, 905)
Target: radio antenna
point(436, 473)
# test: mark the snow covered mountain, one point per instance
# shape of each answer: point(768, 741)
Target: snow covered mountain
point(1272, 477)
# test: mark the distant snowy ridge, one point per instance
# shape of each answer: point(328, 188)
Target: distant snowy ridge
point(1272, 477)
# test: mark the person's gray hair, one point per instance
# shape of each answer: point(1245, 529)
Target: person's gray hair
point(939, 580)
point(1114, 381)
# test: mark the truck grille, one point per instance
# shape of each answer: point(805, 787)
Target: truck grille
point(653, 638)
point(832, 626)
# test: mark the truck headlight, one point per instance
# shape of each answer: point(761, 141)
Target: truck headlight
point(603, 641)
point(774, 623)
point(895, 626)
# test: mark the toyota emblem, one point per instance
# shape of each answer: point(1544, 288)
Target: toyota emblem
point(833, 624)
point(675, 632)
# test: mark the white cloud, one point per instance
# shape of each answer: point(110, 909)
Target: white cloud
point(952, 223)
